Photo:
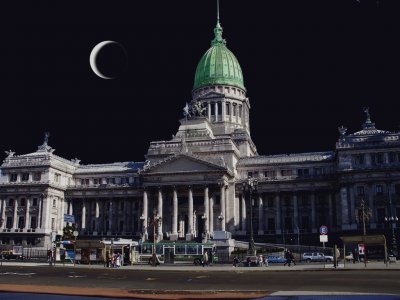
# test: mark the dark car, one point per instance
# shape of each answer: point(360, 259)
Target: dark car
point(8, 254)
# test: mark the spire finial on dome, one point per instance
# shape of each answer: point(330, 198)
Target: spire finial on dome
point(368, 123)
point(218, 30)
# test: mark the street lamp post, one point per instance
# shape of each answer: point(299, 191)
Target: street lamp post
point(363, 213)
point(393, 220)
point(249, 187)
point(155, 223)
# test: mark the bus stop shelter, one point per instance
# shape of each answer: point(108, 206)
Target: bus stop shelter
point(367, 240)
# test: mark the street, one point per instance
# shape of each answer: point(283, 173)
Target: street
point(173, 279)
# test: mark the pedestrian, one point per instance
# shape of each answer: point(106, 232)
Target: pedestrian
point(118, 260)
point(265, 261)
point(338, 256)
point(354, 256)
point(287, 257)
point(235, 261)
point(205, 258)
point(260, 261)
point(248, 261)
point(291, 257)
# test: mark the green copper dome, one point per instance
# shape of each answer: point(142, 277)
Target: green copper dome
point(218, 65)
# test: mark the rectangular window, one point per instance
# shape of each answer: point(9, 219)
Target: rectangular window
point(95, 181)
point(318, 171)
point(359, 159)
point(360, 190)
point(397, 189)
point(87, 181)
point(53, 222)
point(21, 222)
point(377, 158)
point(249, 174)
point(34, 202)
point(10, 202)
point(219, 108)
point(9, 222)
point(25, 177)
point(57, 177)
point(392, 157)
point(37, 176)
point(113, 180)
point(122, 180)
point(212, 108)
point(286, 172)
point(13, 177)
point(271, 224)
point(22, 202)
point(33, 222)
point(240, 111)
point(234, 110)
point(54, 202)
point(270, 174)
point(227, 109)
point(379, 189)
point(303, 172)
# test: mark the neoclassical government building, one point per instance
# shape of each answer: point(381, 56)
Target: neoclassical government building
point(195, 181)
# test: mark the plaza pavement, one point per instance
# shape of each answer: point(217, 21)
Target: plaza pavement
point(371, 265)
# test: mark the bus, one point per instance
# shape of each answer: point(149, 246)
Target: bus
point(171, 252)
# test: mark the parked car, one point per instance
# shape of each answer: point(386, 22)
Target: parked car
point(316, 256)
point(274, 259)
point(8, 254)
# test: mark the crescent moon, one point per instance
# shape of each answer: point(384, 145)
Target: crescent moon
point(93, 56)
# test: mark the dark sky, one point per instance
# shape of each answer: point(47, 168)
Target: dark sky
point(308, 66)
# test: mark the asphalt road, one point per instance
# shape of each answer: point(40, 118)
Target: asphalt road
point(241, 279)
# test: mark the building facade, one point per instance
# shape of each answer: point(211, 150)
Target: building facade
point(194, 183)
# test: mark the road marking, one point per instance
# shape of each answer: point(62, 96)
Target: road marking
point(15, 273)
point(149, 278)
point(76, 276)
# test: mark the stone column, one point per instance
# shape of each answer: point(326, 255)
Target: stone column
point(110, 217)
point(278, 214)
point(222, 205)
point(145, 215)
point(209, 111)
point(61, 214)
point(206, 210)
point(244, 216)
point(83, 215)
point(260, 215)
point(345, 208)
point(330, 210)
point(352, 207)
point(295, 212)
point(211, 215)
point(97, 215)
point(15, 213)
point(27, 214)
point(174, 234)
point(190, 215)
point(223, 110)
point(3, 213)
point(313, 226)
point(160, 213)
point(40, 207)
point(216, 111)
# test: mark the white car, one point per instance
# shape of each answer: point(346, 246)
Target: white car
point(316, 256)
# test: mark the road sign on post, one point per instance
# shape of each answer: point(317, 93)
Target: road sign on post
point(323, 230)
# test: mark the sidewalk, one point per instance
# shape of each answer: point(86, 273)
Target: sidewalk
point(373, 265)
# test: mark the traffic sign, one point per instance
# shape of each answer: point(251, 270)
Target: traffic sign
point(323, 238)
point(323, 230)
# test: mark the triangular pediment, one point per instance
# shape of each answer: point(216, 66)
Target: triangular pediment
point(183, 163)
point(212, 94)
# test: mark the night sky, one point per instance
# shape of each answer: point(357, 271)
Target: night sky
point(309, 67)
